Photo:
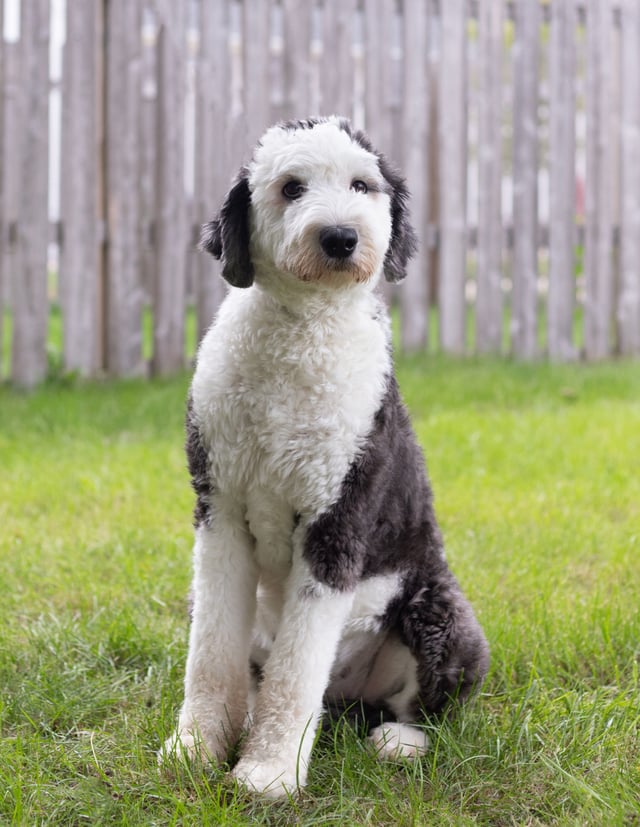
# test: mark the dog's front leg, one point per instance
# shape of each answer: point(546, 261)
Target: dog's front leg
point(217, 672)
point(289, 704)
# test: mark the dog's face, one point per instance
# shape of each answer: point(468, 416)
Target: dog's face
point(318, 205)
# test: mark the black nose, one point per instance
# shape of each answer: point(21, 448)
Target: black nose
point(338, 242)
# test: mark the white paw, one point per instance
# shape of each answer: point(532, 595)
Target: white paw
point(394, 740)
point(190, 746)
point(270, 778)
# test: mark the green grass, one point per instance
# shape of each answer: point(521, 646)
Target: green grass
point(535, 470)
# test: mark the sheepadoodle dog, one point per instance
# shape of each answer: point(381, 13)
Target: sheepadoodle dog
point(320, 576)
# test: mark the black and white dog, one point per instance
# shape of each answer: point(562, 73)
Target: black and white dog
point(318, 559)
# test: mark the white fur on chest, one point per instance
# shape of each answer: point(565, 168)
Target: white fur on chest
point(284, 401)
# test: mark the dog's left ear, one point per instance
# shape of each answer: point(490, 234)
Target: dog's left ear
point(227, 237)
point(404, 242)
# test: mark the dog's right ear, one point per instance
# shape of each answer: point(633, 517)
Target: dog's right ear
point(227, 237)
point(404, 241)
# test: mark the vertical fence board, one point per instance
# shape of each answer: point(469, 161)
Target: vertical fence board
point(277, 83)
point(489, 295)
point(256, 30)
point(525, 181)
point(3, 228)
point(598, 196)
point(314, 101)
point(79, 285)
point(297, 43)
point(615, 123)
point(337, 77)
point(374, 70)
point(148, 148)
point(2, 82)
point(628, 309)
point(124, 287)
point(377, 80)
point(30, 302)
point(10, 250)
point(171, 236)
point(238, 141)
point(378, 73)
point(212, 156)
point(414, 293)
point(395, 79)
point(433, 163)
point(562, 181)
point(453, 169)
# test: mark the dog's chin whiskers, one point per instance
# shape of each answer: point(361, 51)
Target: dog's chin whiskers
point(327, 271)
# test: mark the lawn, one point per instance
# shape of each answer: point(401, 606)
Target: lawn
point(536, 474)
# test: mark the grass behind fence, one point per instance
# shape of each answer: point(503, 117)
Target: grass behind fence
point(535, 470)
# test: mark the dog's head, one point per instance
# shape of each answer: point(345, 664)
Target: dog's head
point(317, 204)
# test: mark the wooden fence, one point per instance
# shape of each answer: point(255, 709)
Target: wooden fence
point(516, 123)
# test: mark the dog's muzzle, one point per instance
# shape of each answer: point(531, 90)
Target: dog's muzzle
point(338, 242)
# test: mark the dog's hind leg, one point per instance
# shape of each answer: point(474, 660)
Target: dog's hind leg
point(289, 703)
point(217, 673)
point(393, 686)
point(394, 740)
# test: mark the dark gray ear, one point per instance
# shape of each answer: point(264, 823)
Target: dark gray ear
point(404, 242)
point(227, 237)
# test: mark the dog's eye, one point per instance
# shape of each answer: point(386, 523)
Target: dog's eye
point(359, 186)
point(293, 190)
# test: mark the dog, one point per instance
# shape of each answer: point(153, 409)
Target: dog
point(318, 561)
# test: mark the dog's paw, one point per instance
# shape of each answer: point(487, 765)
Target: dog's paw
point(270, 778)
point(189, 746)
point(393, 741)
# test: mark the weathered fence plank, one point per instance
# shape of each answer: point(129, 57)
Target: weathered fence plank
point(525, 181)
point(148, 147)
point(10, 250)
point(377, 74)
point(599, 197)
point(297, 70)
point(562, 282)
point(172, 233)
point(256, 29)
point(124, 297)
point(394, 79)
point(489, 308)
point(29, 299)
point(79, 269)
point(315, 61)
point(3, 229)
point(337, 81)
point(414, 295)
point(453, 169)
point(433, 174)
point(212, 152)
point(628, 309)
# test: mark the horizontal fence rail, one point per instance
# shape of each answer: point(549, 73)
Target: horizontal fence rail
point(122, 122)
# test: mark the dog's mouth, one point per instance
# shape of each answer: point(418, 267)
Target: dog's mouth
point(335, 255)
point(323, 269)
